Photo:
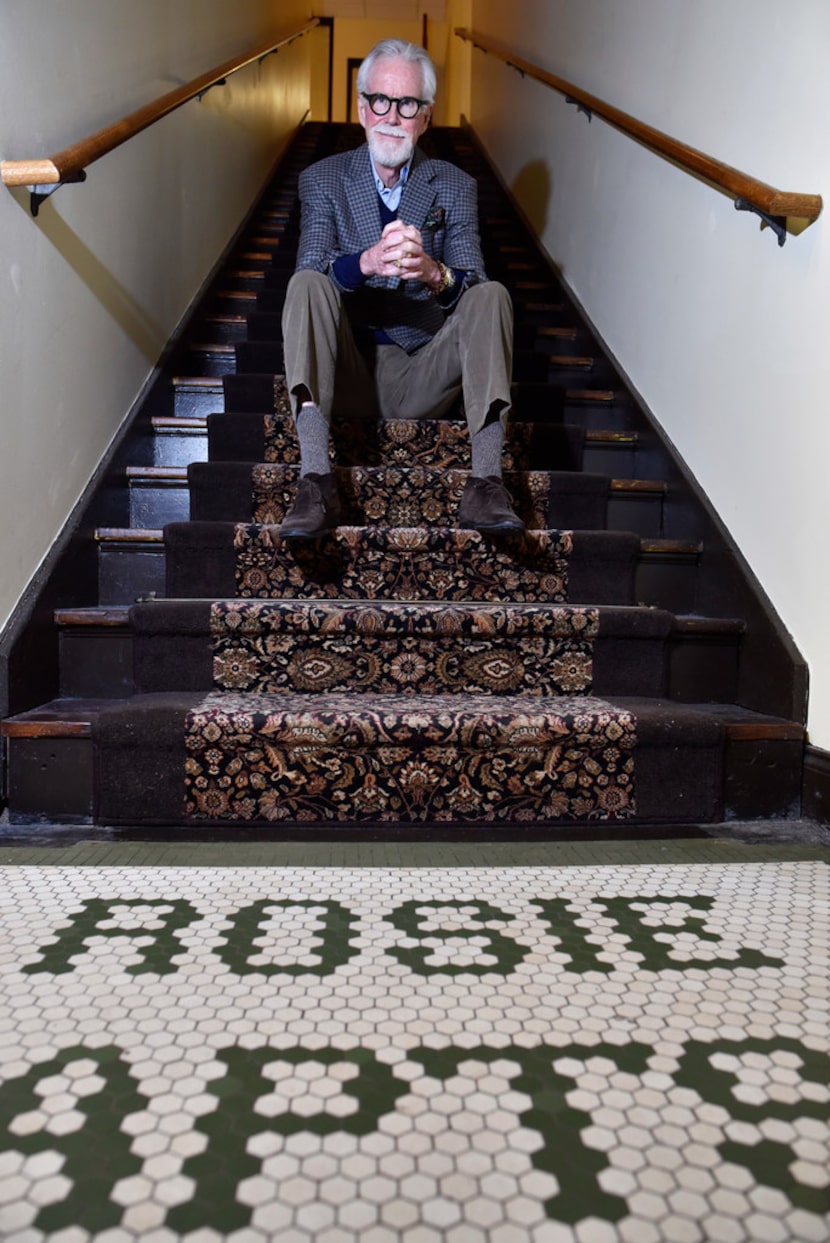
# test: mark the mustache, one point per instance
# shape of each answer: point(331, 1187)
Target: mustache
point(390, 131)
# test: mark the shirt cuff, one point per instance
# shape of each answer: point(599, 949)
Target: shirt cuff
point(347, 273)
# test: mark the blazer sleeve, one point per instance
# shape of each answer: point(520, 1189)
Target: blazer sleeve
point(461, 245)
point(319, 243)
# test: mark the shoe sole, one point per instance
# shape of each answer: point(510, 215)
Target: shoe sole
point(503, 528)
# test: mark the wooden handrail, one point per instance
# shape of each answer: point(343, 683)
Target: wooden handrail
point(69, 164)
point(766, 199)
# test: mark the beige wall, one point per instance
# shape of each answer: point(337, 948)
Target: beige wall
point(91, 291)
point(723, 333)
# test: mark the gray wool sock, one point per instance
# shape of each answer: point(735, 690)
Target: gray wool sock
point(485, 450)
point(313, 435)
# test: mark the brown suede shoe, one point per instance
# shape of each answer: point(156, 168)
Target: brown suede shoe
point(486, 506)
point(316, 508)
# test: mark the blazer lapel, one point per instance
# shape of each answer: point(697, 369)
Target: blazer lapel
point(361, 197)
point(419, 192)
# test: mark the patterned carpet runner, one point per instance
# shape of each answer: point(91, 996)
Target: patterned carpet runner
point(409, 759)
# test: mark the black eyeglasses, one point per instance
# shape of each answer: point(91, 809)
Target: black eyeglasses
point(408, 107)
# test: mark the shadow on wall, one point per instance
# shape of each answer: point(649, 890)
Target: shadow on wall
point(533, 188)
point(145, 333)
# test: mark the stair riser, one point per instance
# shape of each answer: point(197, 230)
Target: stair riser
point(323, 764)
point(198, 401)
point(96, 663)
point(152, 506)
point(51, 781)
point(254, 437)
point(127, 573)
point(246, 357)
point(175, 448)
point(366, 564)
point(100, 663)
point(299, 664)
point(413, 499)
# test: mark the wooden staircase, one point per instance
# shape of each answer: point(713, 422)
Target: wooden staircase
point(683, 643)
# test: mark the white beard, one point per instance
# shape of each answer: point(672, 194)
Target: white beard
point(389, 152)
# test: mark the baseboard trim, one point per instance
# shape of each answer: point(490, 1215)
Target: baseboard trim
point(815, 792)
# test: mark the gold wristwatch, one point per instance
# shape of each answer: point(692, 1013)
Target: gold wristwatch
point(447, 278)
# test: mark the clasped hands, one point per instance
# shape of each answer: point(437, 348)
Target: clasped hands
point(400, 253)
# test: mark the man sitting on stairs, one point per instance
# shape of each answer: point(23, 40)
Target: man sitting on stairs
point(390, 313)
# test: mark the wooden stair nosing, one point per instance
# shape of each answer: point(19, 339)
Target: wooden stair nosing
point(73, 718)
point(649, 548)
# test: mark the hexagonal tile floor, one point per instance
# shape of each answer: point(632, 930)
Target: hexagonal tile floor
point(562, 1054)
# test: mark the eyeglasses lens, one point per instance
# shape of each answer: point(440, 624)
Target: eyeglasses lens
point(407, 107)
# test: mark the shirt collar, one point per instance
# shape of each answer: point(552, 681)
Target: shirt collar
point(385, 191)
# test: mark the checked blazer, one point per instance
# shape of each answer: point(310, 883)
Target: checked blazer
point(340, 216)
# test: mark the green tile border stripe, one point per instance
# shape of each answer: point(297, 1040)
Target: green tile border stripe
point(405, 854)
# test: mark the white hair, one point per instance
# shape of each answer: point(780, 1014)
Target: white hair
point(401, 50)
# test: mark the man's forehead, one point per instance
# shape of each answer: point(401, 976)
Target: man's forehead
point(394, 69)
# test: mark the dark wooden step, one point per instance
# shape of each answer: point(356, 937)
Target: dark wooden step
point(197, 396)
point(242, 492)
point(131, 566)
point(96, 653)
point(177, 441)
point(50, 762)
point(157, 495)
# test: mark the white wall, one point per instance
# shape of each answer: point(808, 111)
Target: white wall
point(91, 291)
point(723, 333)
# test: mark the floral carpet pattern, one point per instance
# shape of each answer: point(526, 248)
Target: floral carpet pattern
point(398, 442)
point(403, 563)
point(397, 496)
point(272, 646)
point(590, 1054)
point(405, 759)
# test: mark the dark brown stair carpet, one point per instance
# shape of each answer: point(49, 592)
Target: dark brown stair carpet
point(393, 495)
point(439, 761)
point(222, 559)
point(273, 646)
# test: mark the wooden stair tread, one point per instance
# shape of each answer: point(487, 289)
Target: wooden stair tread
point(99, 615)
point(73, 718)
point(178, 423)
point(609, 436)
point(227, 320)
point(648, 547)
point(59, 718)
point(644, 486)
point(239, 295)
point(93, 615)
point(692, 624)
point(158, 474)
point(599, 395)
point(130, 535)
